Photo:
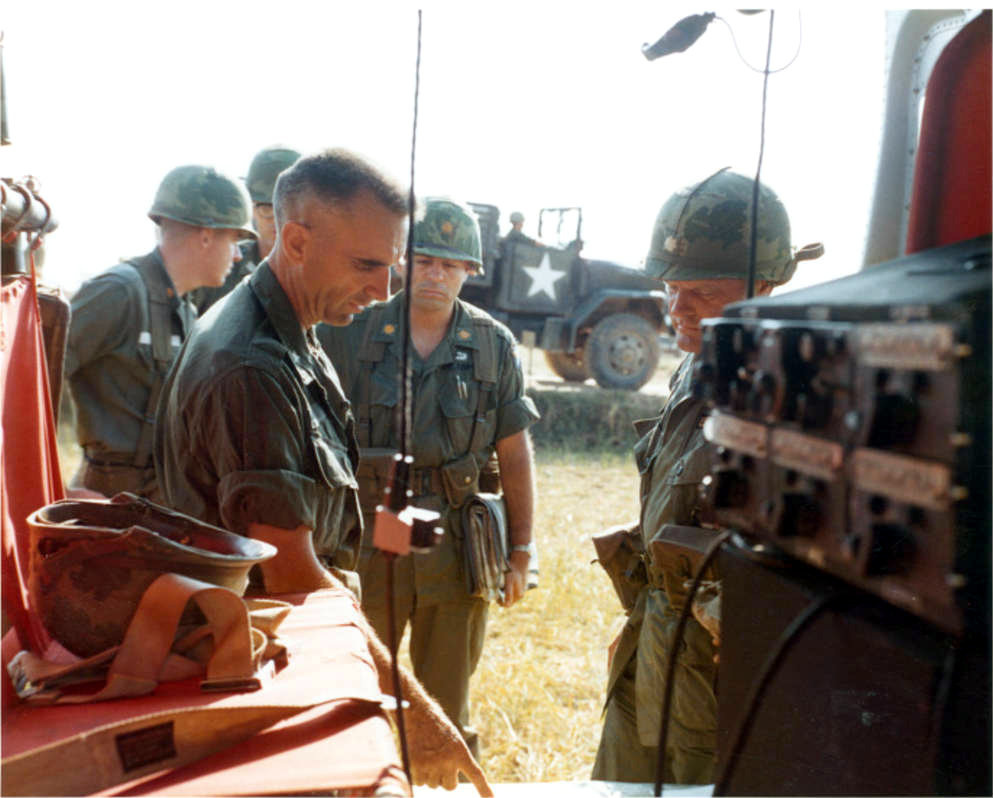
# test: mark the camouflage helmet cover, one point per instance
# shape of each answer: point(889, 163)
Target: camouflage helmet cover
point(264, 170)
point(202, 197)
point(448, 229)
point(703, 233)
point(91, 562)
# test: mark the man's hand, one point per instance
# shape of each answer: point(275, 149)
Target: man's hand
point(516, 580)
point(517, 478)
point(437, 752)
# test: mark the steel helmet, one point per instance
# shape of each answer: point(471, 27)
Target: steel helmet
point(703, 233)
point(517, 217)
point(264, 170)
point(202, 197)
point(448, 229)
point(91, 562)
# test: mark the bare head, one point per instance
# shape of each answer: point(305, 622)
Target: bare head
point(340, 226)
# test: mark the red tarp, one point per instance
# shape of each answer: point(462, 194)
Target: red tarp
point(30, 474)
point(345, 744)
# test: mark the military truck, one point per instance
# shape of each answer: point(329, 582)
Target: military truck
point(591, 318)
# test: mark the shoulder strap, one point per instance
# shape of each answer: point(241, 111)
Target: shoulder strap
point(158, 311)
point(370, 352)
point(159, 305)
point(484, 369)
point(485, 362)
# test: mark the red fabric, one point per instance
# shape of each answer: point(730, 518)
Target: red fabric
point(346, 744)
point(951, 197)
point(337, 750)
point(30, 460)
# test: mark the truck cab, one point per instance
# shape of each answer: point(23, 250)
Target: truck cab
point(592, 318)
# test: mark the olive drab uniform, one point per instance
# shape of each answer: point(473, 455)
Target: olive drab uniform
point(205, 296)
point(253, 426)
point(466, 395)
point(126, 326)
point(672, 459)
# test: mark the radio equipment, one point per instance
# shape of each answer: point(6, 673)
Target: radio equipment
point(850, 428)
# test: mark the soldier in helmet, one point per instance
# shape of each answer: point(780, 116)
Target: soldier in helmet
point(128, 322)
point(469, 401)
point(700, 250)
point(254, 433)
point(261, 179)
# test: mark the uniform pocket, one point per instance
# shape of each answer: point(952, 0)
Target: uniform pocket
point(384, 390)
point(460, 478)
point(332, 461)
point(459, 402)
point(692, 466)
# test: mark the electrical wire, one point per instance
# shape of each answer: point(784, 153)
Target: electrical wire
point(677, 639)
point(390, 558)
point(787, 65)
point(786, 639)
point(750, 283)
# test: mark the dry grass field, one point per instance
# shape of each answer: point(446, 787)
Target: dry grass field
point(538, 692)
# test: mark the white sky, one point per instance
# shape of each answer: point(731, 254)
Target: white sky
point(522, 105)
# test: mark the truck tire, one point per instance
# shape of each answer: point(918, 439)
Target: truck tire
point(622, 351)
point(570, 366)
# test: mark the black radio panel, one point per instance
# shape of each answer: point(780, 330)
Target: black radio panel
point(850, 428)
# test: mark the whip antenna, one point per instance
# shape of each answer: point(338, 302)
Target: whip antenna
point(401, 467)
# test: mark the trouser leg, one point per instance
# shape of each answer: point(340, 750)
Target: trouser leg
point(446, 642)
point(692, 729)
point(372, 576)
point(621, 755)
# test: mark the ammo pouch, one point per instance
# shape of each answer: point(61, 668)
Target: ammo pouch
point(676, 554)
point(489, 476)
point(620, 552)
point(460, 480)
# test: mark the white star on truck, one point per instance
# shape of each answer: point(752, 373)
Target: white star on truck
point(543, 277)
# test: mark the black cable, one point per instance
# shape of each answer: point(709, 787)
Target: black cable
point(390, 558)
point(398, 499)
point(405, 409)
point(765, 674)
point(785, 66)
point(758, 170)
point(677, 639)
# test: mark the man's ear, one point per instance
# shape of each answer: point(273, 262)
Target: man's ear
point(294, 239)
point(764, 288)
